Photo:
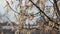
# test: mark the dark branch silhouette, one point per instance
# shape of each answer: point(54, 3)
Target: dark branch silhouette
point(51, 2)
point(41, 10)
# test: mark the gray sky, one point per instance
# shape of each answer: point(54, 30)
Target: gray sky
point(11, 13)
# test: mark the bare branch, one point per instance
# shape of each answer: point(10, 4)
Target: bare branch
point(40, 10)
point(51, 2)
point(55, 2)
point(10, 7)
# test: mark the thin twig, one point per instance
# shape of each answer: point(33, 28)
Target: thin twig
point(11, 7)
point(51, 2)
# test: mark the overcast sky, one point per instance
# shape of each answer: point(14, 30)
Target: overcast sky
point(11, 13)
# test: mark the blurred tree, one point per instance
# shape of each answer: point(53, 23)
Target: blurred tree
point(26, 6)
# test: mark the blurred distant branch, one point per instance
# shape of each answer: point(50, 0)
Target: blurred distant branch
point(40, 10)
point(55, 2)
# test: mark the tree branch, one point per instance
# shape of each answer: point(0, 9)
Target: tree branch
point(55, 2)
point(51, 2)
point(41, 10)
point(10, 7)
